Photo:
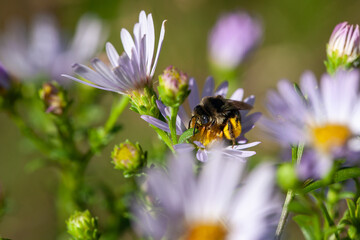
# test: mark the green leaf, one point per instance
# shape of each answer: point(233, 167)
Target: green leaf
point(351, 207)
point(339, 176)
point(309, 226)
point(187, 134)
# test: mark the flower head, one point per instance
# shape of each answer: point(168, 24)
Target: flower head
point(326, 118)
point(134, 69)
point(53, 97)
point(42, 53)
point(203, 142)
point(128, 157)
point(232, 38)
point(209, 205)
point(343, 47)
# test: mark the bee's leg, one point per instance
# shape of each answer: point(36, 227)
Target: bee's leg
point(231, 131)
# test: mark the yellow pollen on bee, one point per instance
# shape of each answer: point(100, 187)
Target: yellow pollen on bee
point(207, 231)
point(236, 128)
point(330, 136)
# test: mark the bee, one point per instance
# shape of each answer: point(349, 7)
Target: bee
point(217, 117)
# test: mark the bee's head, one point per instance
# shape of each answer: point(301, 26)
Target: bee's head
point(202, 118)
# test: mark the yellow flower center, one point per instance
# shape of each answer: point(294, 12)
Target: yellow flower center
point(207, 231)
point(330, 136)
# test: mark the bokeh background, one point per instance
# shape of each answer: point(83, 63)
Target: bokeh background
point(294, 40)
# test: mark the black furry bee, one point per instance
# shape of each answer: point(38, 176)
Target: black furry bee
point(220, 116)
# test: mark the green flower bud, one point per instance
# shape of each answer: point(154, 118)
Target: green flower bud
point(82, 226)
point(53, 98)
point(144, 102)
point(287, 177)
point(129, 157)
point(173, 87)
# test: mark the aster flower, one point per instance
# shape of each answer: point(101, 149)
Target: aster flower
point(209, 205)
point(326, 120)
point(202, 143)
point(232, 38)
point(134, 69)
point(42, 53)
point(343, 47)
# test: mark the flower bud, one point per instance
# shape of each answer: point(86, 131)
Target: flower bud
point(343, 49)
point(81, 225)
point(129, 157)
point(232, 38)
point(53, 98)
point(287, 176)
point(143, 101)
point(173, 87)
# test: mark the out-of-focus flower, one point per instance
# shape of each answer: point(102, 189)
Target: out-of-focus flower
point(81, 225)
point(133, 71)
point(232, 38)
point(343, 48)
point(53, 98)
point(5, 81)
point(42, 53)
point(128, 157)
point(209, 205)
point(203, 142)
point(173, 87)
point(326, 119)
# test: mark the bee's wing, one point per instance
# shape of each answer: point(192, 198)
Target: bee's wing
point(236, 105)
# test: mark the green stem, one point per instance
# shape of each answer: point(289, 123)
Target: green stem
point(284, 214)
point(296, 158)
point(116, 111)
point(174, 111)
point(164, 137)
point(326, 214)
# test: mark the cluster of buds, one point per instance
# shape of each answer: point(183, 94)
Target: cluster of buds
point(343, 49)
point(53, 98)
point(173, 87)
point(81, 225)
point(129, 157)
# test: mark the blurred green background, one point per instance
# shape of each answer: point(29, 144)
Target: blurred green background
point(295, 35)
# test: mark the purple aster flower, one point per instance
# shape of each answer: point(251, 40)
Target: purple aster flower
point(210, 205)
point(326, 119)
point(42, 53)
point(232, 38)
point(131, 71)
point(204, 147)
point(4, 78)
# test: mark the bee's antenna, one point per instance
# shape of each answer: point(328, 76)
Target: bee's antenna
point(190, 121)
point(194, 128)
